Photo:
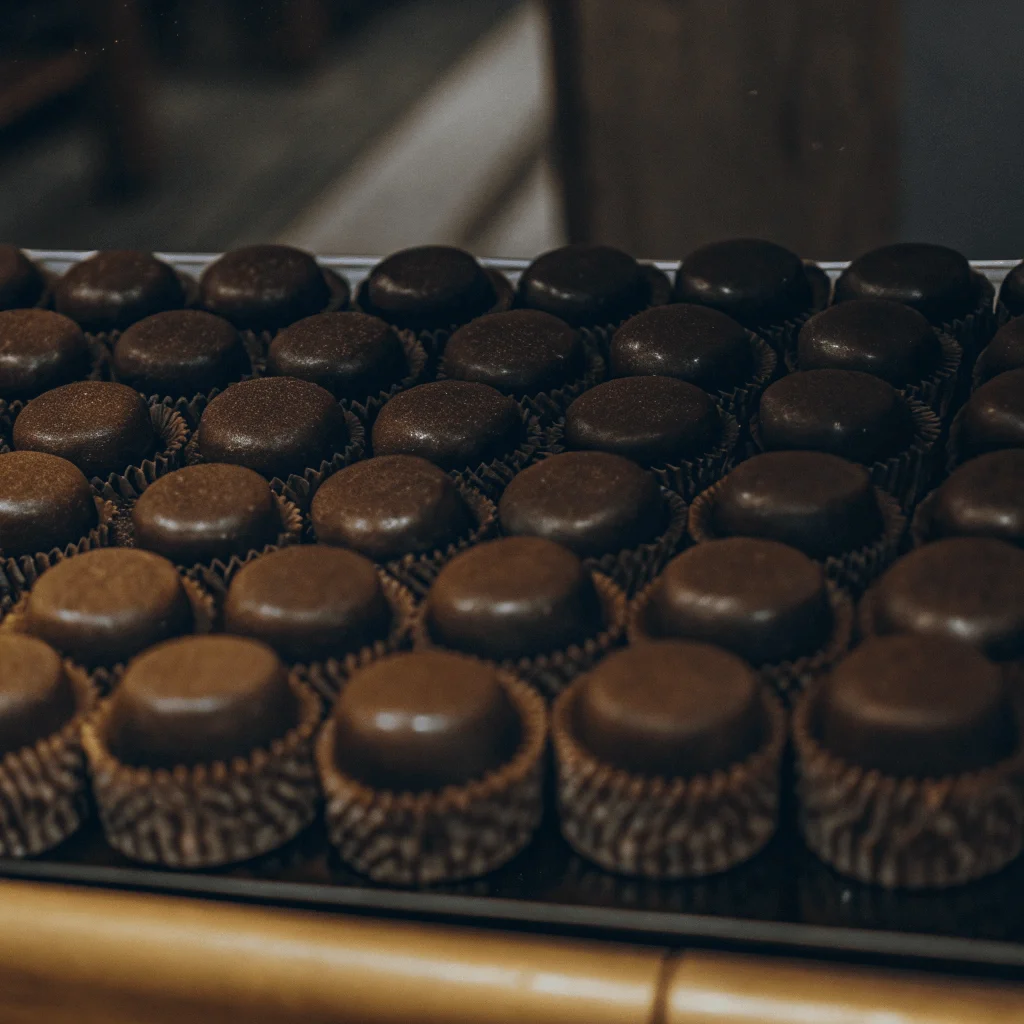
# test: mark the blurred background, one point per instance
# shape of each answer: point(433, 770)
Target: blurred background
point(510, 126)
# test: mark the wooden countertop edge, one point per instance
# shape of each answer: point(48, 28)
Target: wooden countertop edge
point(84, 955)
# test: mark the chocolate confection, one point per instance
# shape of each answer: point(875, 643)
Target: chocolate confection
point(652, 420)
point(36, 696)
point(697, 344)
point(1004, 352)
point(99, 426)
point(518, 352)
point(452, 423)
point(352, 355)
point(513, 598)
point(876, 336)
point(593, 503)
point(213, 510)
point(180, 353)
point(113, 289)
point(1011, 292)
point(817, 503)
point(45, 503)
point(982, 498)
point(422, 721)
point(264, 287)
point(585, 285)
point(199, 699)
point(104, 606)
point(429, 286)
point(753, 281)
point(390, 506)
point(844, 412)
point(39, 350)
point(993, 418)
point(670, 708)
point(309, 603)
point(909, 707)
point(21, 281)
point(762, 600)
point(932, 279)
point(274, 425)
point(969, 589)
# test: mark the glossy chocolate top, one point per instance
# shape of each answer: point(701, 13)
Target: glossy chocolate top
point(36, 695)
point(39, 350)
point(993, 418)
point(1004, 352)
point(21, 281)
point(983, 498)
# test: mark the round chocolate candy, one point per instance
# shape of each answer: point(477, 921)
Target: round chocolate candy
point(424, 720)
point(200, 699)
point(983, 498)
point(213, 510)
point(390, 506)
point(876, 336)
point(993, 418)
point(1004, 352)
point(273, 425)
point(429, 286)
point(452, 423)
point(696, 344)
point(933, 279)
point(670, 708)
point(518, 352)
point(111, 290)
point(585, 285)
point(653, 420)
point(844, 412)
point(21, 281)
point(352, 355)
point(753, 281)
point(765, 601)
point(264, 287)
point(593, 503)
point(513, 598)
point(818, 503)
point(1011, 292)
point(100, 426)
point(36, 695)
point(45, 503)
point(39, 350)
point(180, 353)
point(309, 603)
point(906, 706)
point(104, 606)
point(969, 589)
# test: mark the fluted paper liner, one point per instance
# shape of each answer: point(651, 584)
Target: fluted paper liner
point(44, 792)
point(416, 360)
point(442, 835)
point(852, 570)
point(787, 678)
point(742, 401)
point(974, 330)
point(906, 832)
point(687, 477)
point(211, 814)
point(551, 673)
point(491, 478)
point(19, 573)
point(661, 828)
point(782, 334)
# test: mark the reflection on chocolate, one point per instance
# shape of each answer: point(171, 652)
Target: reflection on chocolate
point(39, 350)
point(993, 418)
point(309, 603)
point(1004, 352)
point(36, 695)
point(903, 705)
point(671, 708)
point(983, 498)
point(422, 721)
point(200, 699)
point(21, 281)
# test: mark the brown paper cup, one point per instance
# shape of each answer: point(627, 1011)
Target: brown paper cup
point(439, 836)
point(666, 828)
point(782, 334)
point(491, 478)
point(44, 793)
point(173, 434)
point(209, 814)
point(741, 402)
point(906, 832)
point(852, 570)
point(416, 359)
point(787, 678)
point(551, 673)
point(974, 330)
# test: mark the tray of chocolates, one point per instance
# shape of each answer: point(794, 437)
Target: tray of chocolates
point(676, 601)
